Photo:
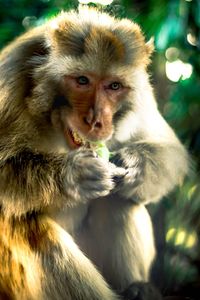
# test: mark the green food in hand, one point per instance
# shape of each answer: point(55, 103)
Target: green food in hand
point(101, 149)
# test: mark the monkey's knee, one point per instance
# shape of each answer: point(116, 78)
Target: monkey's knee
point(127, 256)
point(138, 243)
point(142, 229)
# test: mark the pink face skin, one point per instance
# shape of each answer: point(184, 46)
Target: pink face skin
point(93, 101)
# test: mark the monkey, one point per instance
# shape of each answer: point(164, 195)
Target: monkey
point(75, 226)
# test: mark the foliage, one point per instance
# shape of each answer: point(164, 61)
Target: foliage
point(175, 26)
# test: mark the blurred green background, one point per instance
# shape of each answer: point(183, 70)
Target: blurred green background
point(175, 74)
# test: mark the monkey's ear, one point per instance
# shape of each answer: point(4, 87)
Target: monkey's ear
point(19, 59)
point(148, 49)
point(150, 46)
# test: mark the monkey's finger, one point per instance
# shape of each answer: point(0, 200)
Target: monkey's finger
point(119, 175)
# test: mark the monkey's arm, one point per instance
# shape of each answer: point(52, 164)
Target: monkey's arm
point(33, 181)
point(155, 160)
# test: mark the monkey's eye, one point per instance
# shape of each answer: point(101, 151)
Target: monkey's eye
point(82, 80)
point(115, 86)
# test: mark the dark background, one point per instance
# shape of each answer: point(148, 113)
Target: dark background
point(175, 70)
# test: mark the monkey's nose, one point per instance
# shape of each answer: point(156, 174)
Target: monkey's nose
point(92, 123)
point(92, 119)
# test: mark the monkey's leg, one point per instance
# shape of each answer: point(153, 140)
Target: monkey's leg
point(118, 237)
point(50, 265)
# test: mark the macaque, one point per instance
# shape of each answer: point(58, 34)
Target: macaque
point(73, 224)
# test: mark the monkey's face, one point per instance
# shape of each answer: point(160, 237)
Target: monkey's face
point(93, 56)
point(92, 102)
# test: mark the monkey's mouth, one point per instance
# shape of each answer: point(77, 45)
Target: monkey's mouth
point(74, 139)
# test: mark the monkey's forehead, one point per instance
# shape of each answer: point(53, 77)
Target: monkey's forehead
point(97, 38)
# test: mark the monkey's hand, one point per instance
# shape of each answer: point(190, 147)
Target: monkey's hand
point(153, 169)
point(89, 176)
point(132, 163)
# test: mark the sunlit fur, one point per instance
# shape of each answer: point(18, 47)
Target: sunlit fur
point(74, 226)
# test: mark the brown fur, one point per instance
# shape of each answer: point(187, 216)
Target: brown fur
point(21, 270)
